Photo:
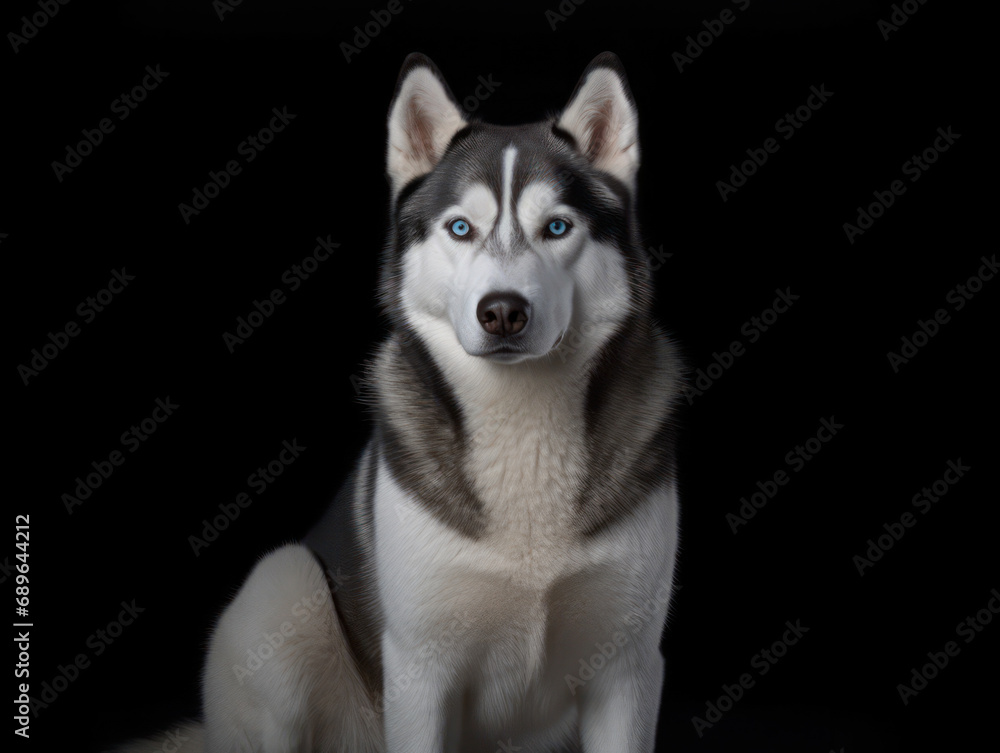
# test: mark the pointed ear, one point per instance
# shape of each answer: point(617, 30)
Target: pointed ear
point(423, 117)
point(601, 116)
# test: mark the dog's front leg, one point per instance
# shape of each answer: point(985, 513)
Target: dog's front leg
point(416, 687)
point(619, 706)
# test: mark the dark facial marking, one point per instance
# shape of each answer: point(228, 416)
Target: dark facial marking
point(423, 437)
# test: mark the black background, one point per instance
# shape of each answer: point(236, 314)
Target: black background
point(323, 176)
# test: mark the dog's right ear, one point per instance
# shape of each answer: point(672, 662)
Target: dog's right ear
point(423, 117)
point(601, 116)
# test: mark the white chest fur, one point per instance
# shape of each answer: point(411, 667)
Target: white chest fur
point(522, 604)
point(525, 459)
point(505, 620)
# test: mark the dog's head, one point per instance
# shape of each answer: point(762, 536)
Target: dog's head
point(508, 240)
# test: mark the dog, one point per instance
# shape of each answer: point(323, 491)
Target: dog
point(497, 570)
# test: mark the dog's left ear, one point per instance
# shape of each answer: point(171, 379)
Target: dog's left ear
point(601, 116)
point(423, 117)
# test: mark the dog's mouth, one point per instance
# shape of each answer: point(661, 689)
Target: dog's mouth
point(506, 354)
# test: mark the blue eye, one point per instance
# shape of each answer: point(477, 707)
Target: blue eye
point(459, 228)
point(558, 227)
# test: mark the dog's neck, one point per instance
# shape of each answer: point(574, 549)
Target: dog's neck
point(452, 428)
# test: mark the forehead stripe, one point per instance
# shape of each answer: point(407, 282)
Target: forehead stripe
point(506, 202)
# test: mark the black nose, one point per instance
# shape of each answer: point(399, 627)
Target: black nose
point(502, 314)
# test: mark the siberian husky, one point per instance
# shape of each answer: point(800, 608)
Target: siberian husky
point(496, 572)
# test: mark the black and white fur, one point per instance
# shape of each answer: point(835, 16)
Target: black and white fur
point(515, 512)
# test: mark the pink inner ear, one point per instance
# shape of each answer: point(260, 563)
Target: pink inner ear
point(600, 131)
point(419, 131)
